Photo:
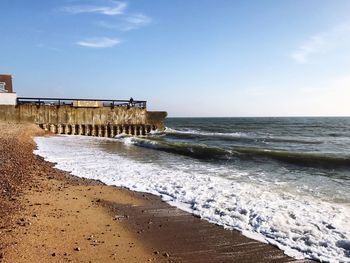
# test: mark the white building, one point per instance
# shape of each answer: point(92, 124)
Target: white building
point(7, 96)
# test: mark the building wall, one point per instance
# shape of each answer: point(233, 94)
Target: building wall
point(8, 98)
point(8, 80)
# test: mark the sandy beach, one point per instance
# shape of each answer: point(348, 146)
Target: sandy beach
point(48, 215)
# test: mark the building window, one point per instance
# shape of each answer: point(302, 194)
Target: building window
point(2, 87)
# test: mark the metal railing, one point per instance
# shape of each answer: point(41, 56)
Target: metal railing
point(65, 101)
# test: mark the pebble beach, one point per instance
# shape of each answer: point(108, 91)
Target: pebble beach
point(50, 216)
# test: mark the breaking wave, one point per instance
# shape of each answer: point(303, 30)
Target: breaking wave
point(205, 152)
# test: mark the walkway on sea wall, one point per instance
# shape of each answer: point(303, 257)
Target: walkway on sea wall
point(81, 102)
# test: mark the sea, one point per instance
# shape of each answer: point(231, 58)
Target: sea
point(283, 181)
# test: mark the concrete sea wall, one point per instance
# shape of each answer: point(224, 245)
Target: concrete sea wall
point(101, 121)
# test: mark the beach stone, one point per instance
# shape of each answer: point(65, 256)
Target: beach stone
point(165, 254)
point(77, 249)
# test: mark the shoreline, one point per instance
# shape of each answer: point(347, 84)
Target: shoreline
point(55, 216)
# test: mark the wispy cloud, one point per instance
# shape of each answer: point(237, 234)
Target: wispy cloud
point(114, 9)
point(126, 22)
point(103, 42)
point(321, 43)
point(136, 21)
point(115, 17)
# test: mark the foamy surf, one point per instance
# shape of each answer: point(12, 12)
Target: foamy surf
point(266, 137)
point(299, 224)
point(197, 132)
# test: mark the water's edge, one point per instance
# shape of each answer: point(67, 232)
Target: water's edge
point(124, 173)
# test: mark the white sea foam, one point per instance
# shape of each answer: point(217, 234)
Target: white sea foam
point(121, 135)
point(196, 132)
point(302, 226)
point(155, 132)
point(250, 135)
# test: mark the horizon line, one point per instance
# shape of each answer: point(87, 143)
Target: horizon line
point(295, 116)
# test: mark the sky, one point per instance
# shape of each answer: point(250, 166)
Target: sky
point(191, 58)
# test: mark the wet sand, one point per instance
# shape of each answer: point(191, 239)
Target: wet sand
point(48, 215)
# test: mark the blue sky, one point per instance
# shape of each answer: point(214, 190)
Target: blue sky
point(188, 57)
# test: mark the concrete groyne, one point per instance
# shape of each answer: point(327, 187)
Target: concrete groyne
point(103, 121)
